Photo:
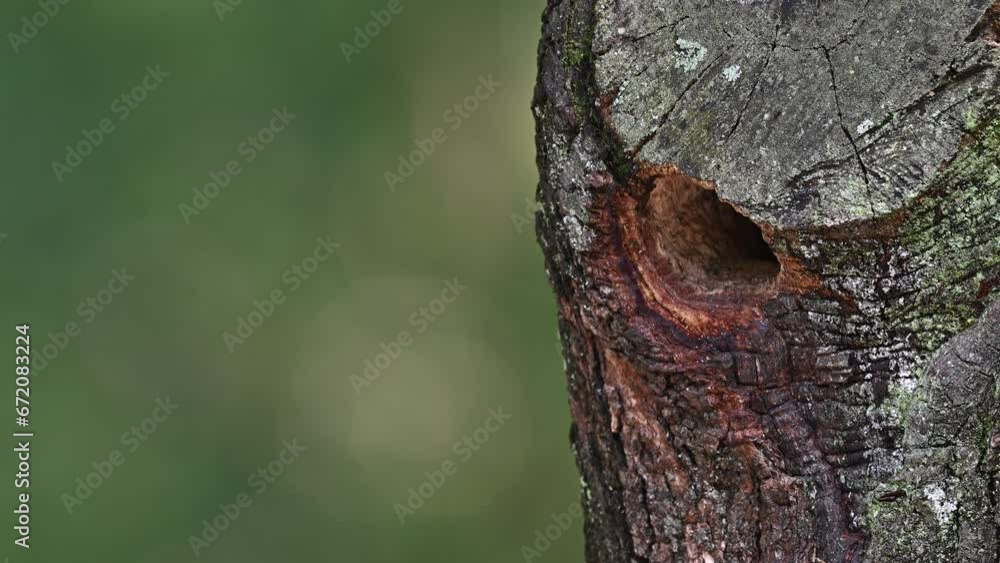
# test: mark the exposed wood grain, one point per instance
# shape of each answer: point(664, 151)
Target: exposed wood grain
point(773, 233)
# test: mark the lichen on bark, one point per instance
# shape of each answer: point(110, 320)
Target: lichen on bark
point(844, 407)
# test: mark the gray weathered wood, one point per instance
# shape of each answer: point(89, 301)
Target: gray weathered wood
point(773, 232)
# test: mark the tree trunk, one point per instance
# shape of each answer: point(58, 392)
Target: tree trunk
point(773, 232)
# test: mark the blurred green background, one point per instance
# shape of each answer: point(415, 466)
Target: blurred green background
point(461, 214)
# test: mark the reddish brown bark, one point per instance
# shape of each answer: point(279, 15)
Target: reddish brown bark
point(801, 367)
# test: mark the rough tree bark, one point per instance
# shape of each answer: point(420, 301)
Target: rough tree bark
point(773, 231)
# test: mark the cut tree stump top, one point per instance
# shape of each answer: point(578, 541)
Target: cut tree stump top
point(813, 114)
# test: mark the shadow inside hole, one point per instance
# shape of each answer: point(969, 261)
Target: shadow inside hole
point(704, 242)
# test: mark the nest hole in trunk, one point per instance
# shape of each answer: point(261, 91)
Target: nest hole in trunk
point(703, 241)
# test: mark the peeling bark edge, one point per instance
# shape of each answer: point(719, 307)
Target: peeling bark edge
point(626, 363)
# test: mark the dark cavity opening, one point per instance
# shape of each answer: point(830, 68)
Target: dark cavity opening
point(705, 242)
point(988, 27)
